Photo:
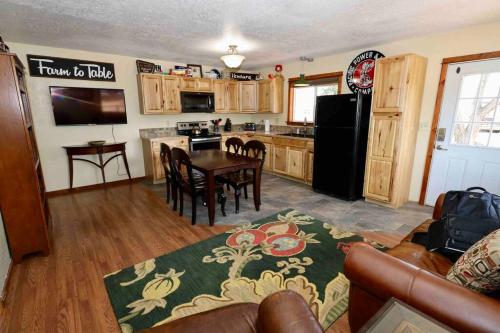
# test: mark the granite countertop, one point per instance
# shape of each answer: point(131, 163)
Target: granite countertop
point(151, 136)
point(264, 133)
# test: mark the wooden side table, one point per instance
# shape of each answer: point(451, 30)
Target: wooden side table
point(87, 149)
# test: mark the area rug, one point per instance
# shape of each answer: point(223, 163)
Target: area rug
point(288, 250)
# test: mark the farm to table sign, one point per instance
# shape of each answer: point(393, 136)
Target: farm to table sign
point(64, 68)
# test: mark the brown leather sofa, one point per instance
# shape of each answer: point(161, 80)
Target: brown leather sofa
point(282, 312)
point(417, 277)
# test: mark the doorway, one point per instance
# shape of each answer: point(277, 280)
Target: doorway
point(466, 143)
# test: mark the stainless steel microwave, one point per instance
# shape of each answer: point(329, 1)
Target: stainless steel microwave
point(197, 102)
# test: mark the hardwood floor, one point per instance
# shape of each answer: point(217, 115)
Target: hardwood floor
point(95, 233)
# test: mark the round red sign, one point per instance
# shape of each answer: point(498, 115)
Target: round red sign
point(361, 71)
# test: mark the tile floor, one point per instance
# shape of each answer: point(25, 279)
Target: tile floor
point(279, 193)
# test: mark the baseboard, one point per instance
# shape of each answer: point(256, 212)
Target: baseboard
point(3, 295)
point(94, 187)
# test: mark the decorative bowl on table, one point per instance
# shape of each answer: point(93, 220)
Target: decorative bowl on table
point(97, 142)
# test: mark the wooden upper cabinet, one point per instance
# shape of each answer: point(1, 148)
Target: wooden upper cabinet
point(248, 96)
point(204, 84)
point(389, 85)
point(277, 95)
point(151, 93)
point(264, 96)
point(187, 84)
point(171, 94)
point(233, 96)
point(220, 96)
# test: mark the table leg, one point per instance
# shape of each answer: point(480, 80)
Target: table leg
point(101, 164)
point(124, 156)
point(211, 197)
point(70, 165)
point(256, 187)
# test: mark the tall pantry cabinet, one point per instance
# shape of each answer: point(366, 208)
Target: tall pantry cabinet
point(23, 201)
point(395, 114)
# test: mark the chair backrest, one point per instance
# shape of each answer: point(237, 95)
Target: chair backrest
point(255, 149)
point(180, 160)
point(236, 144)
point(166, 158)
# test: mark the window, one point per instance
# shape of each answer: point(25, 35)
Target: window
point(302, 100)
point(477, 113)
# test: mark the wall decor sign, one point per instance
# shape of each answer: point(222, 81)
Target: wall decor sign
point(243, 76)
point(63, 68)
point(144, 66)
point(360, 72)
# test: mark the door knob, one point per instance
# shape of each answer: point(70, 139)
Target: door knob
point(439, 147)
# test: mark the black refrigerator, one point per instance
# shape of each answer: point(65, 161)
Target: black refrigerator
point(340, 140)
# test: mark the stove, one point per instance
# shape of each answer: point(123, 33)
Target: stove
point(202, 140)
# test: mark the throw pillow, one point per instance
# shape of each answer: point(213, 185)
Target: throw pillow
point(479, 267)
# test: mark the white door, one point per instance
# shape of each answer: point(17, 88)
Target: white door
point(467, 149)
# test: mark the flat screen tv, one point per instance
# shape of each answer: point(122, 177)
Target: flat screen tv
point(88, 106)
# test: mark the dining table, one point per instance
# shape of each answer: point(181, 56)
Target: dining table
point(214, 162)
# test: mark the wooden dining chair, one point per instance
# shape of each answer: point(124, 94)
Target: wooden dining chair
point(195, 186)
point(166, 161)
point(234, 145)
point(240, 180)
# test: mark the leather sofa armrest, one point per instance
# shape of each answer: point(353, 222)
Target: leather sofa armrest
point(376, 277)
point(285, 312)
point(438, 206)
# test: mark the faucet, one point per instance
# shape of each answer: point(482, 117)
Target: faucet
point(304, 129)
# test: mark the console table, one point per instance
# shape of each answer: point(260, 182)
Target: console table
point(118, 148)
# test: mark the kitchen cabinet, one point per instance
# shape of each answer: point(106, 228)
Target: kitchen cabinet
point(226, 95)
point(151, 93)
point(204, 85)
point(248, 96)
point(280, 159)
point(196, 84)
point(296, 162)
point(270, 95)
point(396, 104)
point(171, 95)
point(159, 94)
point(309, 166)
point(151, 153)
point(187, 84)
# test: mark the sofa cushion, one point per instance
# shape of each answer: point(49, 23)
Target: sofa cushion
point(479, 267)
point(417, 255)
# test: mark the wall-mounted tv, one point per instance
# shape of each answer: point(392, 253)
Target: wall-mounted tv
point(88, 106)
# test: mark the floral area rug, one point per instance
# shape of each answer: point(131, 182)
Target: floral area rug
point(288, 250)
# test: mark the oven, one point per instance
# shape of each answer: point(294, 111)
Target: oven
point(203, 143)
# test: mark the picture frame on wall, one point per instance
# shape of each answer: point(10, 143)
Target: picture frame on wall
point(196, 70)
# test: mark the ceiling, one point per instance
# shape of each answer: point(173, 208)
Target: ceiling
point(266, 32)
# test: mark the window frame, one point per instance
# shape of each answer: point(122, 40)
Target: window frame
point(291, 81)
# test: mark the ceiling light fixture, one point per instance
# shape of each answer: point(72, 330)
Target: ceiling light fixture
point(232, 59)
point(302, 82)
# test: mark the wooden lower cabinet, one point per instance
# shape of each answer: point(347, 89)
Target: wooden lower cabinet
point(152, 159)
point(379, 179)
point(280, 159)
point(268, 163)
point(296, 162)
point(309, 166)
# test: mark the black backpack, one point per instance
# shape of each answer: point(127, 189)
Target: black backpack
point(466, 217)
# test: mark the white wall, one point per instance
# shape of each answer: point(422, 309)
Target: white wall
point(51, 138)
point(484, 38)
point(4, 256)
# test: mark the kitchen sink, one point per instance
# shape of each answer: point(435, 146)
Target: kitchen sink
point(296, 135)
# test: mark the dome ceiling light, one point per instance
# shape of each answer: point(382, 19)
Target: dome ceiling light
point(232, 59)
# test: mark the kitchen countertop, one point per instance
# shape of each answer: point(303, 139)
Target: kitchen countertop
point(158, 136)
